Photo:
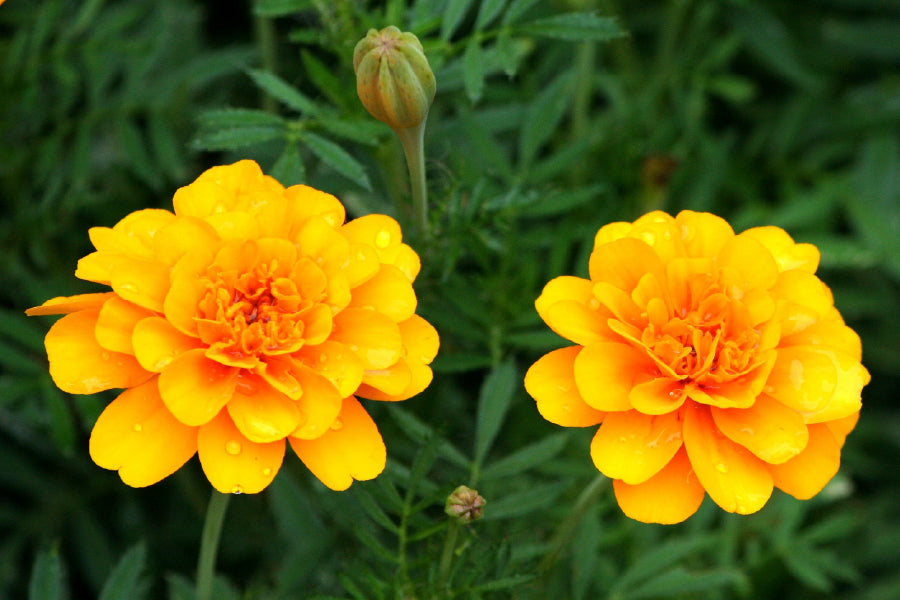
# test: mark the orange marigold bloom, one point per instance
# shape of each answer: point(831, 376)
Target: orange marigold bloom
point(251, 316)
point(714, 363)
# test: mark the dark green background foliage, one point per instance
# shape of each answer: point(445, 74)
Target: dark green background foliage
point(551, 119)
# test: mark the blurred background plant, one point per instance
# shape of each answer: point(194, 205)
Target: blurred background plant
point(551, 119)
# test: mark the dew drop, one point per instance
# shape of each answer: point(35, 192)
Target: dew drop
point(353, 347)
point(267, 471)
point(593, 304)
point(104, 355)
point(741, 509)
point(383, 238)
point(323, 358)
point(138, 427)
point(721, 468)
point(237, 490)
point(360, 255)
point(233, 447)
point(622, 439)
point(338, 424)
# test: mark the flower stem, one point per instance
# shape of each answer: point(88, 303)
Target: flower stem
point(447, 553)
point(567, 528)
point(412, 140)
point(209, 543)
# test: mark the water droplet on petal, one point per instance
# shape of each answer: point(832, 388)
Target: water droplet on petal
point(267, 471)
point(622, 439)
point(338, 424)
point(104, 355)
point(138, 428)
point(237, 490)
point(360, 255)
point(353, 347)
point(721, 468)
point(323, 358)
point(233, 447)
point(383, 238)
point(593, 304)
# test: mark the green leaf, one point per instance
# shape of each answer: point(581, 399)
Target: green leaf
point(324, 78)
point(527, 457)
point(279, 8)
point(563, 201)
point(289, 168)
point(473, 70)
point(651, 563)
point(363, 131)
point(227, 118)
point(487, 12)
point(503, 584)
point(231, 139)
point(679, 581)
point(453, 15)
point(285, 93)
point(517, 8)
point(337, 158)
point(525, 501)
point(47, 577)
point(542, 118)
point(418, 431)
point(372, 508)
point(125, 581)
point(493, 403)
point(575, 26)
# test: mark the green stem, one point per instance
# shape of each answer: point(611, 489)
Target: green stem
point(413, 143)
point(209, 543)
point(581, 105)
point(567, 528)
point(264, 29)
point(447, 553)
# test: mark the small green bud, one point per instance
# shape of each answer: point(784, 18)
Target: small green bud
point(393, 79)
point(465, 505)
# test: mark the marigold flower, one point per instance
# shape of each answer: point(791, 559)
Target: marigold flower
point(714, 363)
point(251, 316)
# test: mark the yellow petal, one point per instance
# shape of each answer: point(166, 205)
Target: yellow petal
point(142, 282)
point(658, 396)
point(735, 479)
point(63, 305)
point(354, 450)
point(670, 496)
point(362, 265)
point(157, 343)
point(659, 231)
point(407, 261)
point(703, 234)
point(97, 267)
point(232, 463)
point(116, 324)
point(234, 226)
point(319, 405)
point(182, 235)
point(420, 339)
point(281, 372)
point(806, 474)
point(379, 231)
point(401, 381)
point(563, 288)
point(338, 364)
point(133, 234)
point(323, 244)
point(551, 382)
point(768, 429)
point(847, 397)
point(306, 202)
point(79, 365)
point(841, 428)
point(804, 378)
point(389, 292)
point(372, 336)
point(833, 334)
point(138, 437)
point(634, 447)
point(746, 264)
point(623, 262)
point(611, 232)
point(788, 255)
point(188, 287)
point(807, 300)
point(606, 372)
point(260, 412)
point(196, 388)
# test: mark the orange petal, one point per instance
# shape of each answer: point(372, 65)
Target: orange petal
point(138, 437)
point(79, 365)
point(362, 265)
point(133, 235)
point(564, 288)
point(606, 372)
point(407, 261)
point(568, 306)
point(551, 382)
point(619, 302)
point(143, 282)
point(188, 287)
point(833, 334)
point(324, 244)
point(354, 450)
point(419, 378)
point(339, 365)
point(634, 447)
point(372, 336)
point(97, 267)
point(841, 428)
point(420, 339)
point(659, 231)
point(116, 324)
point(234, 226)
point(611, 232)
point(670, 496)
point(232, 463)
point(735, 479)
point(182, 235)
point(306, 202)
point(746, 264)
point(657, 396)
point(703, 234)
point(846, 399)
point(389, 292)
point(63, 305)
point(281, 372)
point(260, 412)
point(390, 381)
point(379, 231)
point(623, 262)
point(196, 388)
point(319, 405)
point(788, 255)
point(806, 474)
point(804, 378)
point(768, 429)
point(157, 343)
point(808, 300)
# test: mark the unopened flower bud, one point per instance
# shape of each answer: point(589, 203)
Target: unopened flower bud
point(393, 79)
point(465, 505)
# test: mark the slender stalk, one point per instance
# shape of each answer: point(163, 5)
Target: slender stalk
point(581, 104)
point(266, 43)
point(412, 140)
point(568, 527)
point(209, 543)
point(447, 553)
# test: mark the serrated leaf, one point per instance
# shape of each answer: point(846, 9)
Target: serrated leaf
point(454, 12)
point(231, 139)
point(285, 93)
point(289, 168)
point(517, 8)
point(125, 582)
point(279, 8)
point(47, 580)
point(363, 131)
point(324, 78)
point(575, 26)
point(493, 403)
point(226, 118)
point(542, 117)
point(523, 502)
point(372, 508)
point(487, 12)
point(473, 70)
point(419, 432)
point(337, 158)
point(527, 457)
